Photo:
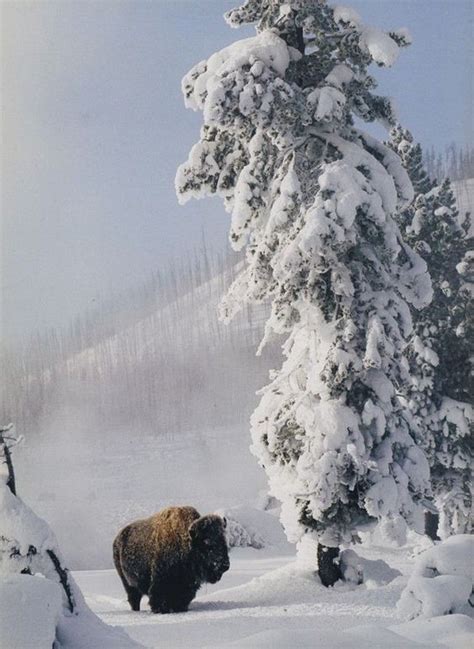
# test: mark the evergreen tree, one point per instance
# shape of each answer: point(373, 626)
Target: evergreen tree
point(441, 347)
point(411, 155)
point(313, 201)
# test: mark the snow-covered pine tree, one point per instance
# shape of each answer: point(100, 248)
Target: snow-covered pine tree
point(441, 347)
point(312, 200)
point(411, 155)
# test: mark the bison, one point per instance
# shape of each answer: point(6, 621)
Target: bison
point(169, 555)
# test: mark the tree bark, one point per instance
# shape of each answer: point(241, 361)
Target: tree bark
point(8, 460)
point(328, 565)
point(63, 578)
point(431, 525)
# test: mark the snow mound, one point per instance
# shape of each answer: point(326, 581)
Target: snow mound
point(30, 608)
point(292, 583)
point(250, 527)
point(87, 631)
point(442, 580)
point(297, 585)
point(441, 595)
point(357, 570)
point(22, 527)
point(455, 556)
point(453, 631)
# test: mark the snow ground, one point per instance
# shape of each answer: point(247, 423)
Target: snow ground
point(268, 600)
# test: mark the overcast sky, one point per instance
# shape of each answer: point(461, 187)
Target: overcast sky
point(94, 126)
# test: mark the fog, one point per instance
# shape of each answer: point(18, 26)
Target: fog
point(142, 403)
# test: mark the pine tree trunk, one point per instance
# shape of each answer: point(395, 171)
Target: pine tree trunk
point(431, 525)
point(328, 566)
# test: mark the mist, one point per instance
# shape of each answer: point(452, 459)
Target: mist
point(137, 405)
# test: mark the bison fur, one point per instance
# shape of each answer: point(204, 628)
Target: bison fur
point(169, 555)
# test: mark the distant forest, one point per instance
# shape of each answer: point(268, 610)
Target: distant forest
point(155, 359)
point(456, 163)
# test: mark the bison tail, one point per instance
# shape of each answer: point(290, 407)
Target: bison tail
point(116, 555)
point(119, 541)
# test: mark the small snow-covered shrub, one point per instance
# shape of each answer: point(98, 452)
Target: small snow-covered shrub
point(266, 502)
point(239, 537)
point(30, 608)
point(355, 569)
point(249, 527)
point(442, 580)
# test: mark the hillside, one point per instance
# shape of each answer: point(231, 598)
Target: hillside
point(153, 414)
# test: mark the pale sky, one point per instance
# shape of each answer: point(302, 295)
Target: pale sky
point(94, 126)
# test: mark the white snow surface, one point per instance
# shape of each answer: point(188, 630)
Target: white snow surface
point(30, 608)
point(453, 631)
point(269, 600)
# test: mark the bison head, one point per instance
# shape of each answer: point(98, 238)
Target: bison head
point(210, 546)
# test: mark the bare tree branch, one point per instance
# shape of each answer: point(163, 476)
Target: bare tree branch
point(8, 457)
point(63, 578)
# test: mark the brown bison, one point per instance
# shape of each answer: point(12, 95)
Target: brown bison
point(169, 555)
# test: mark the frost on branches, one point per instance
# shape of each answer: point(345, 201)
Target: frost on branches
point(313, 200)
point(441, 347)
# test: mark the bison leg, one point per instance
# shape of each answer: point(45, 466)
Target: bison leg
point(171, 597)
point(158, 602)
point(180, 604)
point(134, 595)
